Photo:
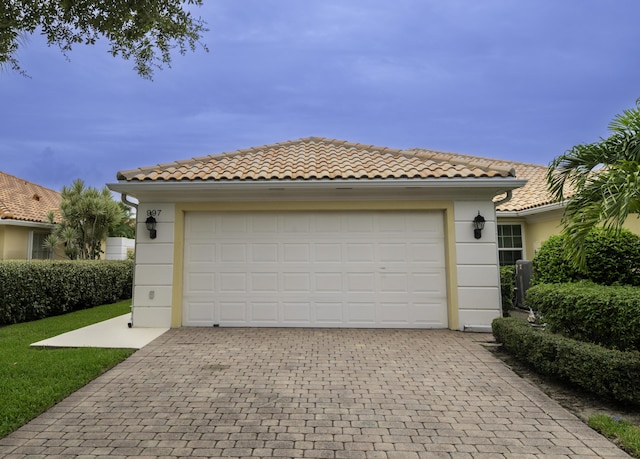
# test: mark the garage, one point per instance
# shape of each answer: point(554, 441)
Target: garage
point(355, 269)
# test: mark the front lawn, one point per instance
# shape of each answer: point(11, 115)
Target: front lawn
point(34, 379)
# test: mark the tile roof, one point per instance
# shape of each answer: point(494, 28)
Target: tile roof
point(313, 158)
point(22, 200)
point(533, 194)
point(327, 159)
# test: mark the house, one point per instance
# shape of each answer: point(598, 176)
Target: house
point(317, 233)
point(23, 218)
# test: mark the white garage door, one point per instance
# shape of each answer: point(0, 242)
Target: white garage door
point(381, 269)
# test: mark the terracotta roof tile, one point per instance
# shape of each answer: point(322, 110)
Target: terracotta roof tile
point(313, 158)
point(533, 194)
point(22, 200)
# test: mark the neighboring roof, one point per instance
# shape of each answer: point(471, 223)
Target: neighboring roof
point(26, 201)
point(314, 158)
point(533, 194)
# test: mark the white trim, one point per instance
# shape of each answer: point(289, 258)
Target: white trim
point(12, 222)
point(482, 182)
point(533, 211)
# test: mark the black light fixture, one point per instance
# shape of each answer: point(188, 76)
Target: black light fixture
point(478, 226)
point(151, 226)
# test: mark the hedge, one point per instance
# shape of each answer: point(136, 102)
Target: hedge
point(31, 290)
point(605, 315)
point(612, 258)
point(608, 373)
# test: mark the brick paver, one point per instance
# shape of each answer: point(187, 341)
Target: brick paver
point(310, 393)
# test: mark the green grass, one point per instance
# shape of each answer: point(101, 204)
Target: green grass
point(626, 435)
point(34, 379)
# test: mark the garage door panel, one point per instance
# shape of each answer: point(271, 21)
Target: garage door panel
point(233, 253)
point(264, 282)
point(296, 313)
point(264, 253)
point(201, 283)
point(296, 253)
point(233, 312)
point(265, 313)
point(361, 314)
point(331, 253)
point(328, 282)
point(331, 269)
point(200, 312)
point(360, 282)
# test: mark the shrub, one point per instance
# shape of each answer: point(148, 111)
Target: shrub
point(37, 289)
point(606, 315)
point(612, 258)
point(605, 372)
point(507, 287)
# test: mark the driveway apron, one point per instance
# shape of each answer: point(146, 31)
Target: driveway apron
point(322, 393)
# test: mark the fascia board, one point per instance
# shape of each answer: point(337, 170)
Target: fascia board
point(532, 211)
point(503, 184)
point(13, 222)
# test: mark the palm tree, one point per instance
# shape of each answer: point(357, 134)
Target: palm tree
point(602, 180)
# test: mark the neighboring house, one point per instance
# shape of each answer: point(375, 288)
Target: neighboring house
point(23, 218)
point(318, 233)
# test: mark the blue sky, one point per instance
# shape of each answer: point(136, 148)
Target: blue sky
point(520, 80)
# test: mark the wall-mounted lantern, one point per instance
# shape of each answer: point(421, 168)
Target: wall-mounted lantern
point(478, 226)
point(151, 226)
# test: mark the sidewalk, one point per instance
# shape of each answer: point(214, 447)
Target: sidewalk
point(112, 333)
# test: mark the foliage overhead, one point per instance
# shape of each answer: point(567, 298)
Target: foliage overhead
point(606, 178)
point(146, 31)
point(87, 216)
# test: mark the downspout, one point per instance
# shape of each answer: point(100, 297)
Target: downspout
point(125, 200)
point(507, 198)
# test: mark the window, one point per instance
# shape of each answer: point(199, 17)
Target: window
point(38, 251)
point(509, 244)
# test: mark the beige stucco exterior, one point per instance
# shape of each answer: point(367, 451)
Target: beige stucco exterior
point(16, 239)
point(539, 226)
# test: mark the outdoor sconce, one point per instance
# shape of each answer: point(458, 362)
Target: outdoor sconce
point(151, 226)
point(478, 226)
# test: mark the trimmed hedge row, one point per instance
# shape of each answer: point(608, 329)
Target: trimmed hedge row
point(605, 372)
point(31, 290)
point(612, 258)
point(605, 315)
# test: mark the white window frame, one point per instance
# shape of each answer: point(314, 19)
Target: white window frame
point(510, 249)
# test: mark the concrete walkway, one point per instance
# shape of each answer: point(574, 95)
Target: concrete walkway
point(112, 333)
point(393, 394)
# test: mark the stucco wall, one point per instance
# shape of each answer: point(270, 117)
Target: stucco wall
point(477, 266)
point(15, 242)
point(152, 293)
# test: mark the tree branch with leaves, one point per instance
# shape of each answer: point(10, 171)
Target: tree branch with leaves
point(146, 31)
point(605, 179)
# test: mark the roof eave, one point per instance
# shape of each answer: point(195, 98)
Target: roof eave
point(532, 211)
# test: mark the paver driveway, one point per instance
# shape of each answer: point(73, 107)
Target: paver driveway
point(309, 393)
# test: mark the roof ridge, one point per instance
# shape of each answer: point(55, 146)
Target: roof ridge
point(479, 158)
point(121, 175)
